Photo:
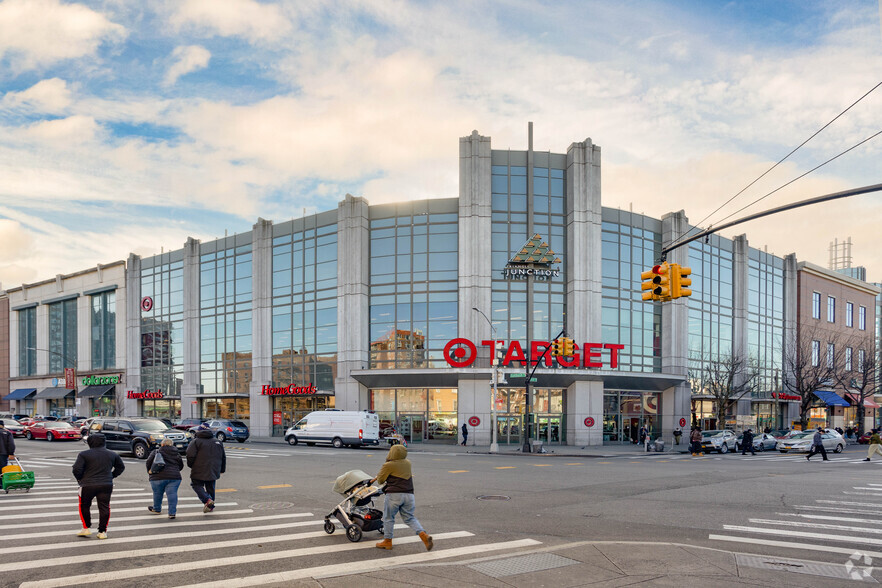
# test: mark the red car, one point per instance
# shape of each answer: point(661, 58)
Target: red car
point(52, 430)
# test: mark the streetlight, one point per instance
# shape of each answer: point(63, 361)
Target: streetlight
point(494, 446)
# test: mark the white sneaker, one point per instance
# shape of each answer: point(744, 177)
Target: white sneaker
point(102, 535)
point(84, 533)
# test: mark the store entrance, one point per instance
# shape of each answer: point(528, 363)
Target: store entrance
point(508, 429)
point(548, 428)
point(412, 427)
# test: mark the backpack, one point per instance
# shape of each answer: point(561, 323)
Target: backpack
point(158, 463)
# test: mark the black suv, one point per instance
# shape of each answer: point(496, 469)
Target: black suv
point(138, 435)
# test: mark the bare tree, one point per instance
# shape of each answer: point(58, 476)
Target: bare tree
point(856, 371)
point(806, 368)
point(727, 379)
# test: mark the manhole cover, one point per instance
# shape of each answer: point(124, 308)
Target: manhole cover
point(271, 505)
point(493, 497)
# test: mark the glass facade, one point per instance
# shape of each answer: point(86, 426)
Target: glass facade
point(625, 412)
point(419, 414)
point(27, 341)
point(103, 316)
point(413, 284)
point(62, 335)
point(630, 244)
point(162, 326)
point(765, 319)
point(304, 303)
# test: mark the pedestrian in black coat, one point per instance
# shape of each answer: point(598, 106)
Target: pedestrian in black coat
point(7, 445)
point(465, 434)
point(95, 470)
point(207, 461)
point(747, 442)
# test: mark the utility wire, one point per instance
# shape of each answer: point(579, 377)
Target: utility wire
point(780, 161)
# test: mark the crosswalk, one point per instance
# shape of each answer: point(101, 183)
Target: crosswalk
point(847, 526)
point(236, 545)
point(838, 459)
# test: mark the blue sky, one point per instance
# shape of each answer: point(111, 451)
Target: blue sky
point(128, 126)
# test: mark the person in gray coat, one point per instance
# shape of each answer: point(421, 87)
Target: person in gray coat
point(817, 446)
point(207, 461)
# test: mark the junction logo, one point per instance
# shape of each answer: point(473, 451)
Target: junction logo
point(534, 259)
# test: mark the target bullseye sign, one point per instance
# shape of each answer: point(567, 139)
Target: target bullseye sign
point(589, 422)
point(146, 304)
point(682, 422)
point(474, 421)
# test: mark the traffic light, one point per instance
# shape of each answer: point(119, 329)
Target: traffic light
point(569, 348)
point(658, 282)
point(557, 347)
point(679, 280)
point(499, 352)
point(648, 286)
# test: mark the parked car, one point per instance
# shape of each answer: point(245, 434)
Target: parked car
point(761, 442)
point(780, 433)
point(802, 441)
point(137, 435)
point(224, 429)
point(187, 424)
point(717, 440)
point(52, 431)
point(337, 427)
point(71, 419)
point(14, 427)
point(42, 417)
point(84, 426)
point(27, 421)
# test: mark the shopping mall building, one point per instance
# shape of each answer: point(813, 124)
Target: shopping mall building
point(393, 308)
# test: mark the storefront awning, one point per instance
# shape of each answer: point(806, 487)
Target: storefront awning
point(831, 398)
point(868, 401)
point(20, 394)
point(94, 391)
point(54, 393)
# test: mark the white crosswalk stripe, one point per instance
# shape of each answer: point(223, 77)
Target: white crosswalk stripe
point(232, 546)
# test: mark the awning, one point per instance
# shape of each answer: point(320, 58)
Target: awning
point(868, 401)
point(831, 398)
point(94, 391)
point(20, 394)
point(54, 393)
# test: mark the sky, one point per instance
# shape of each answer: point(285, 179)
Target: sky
point(128, 126)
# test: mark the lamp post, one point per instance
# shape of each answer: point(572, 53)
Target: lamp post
point(494, 446)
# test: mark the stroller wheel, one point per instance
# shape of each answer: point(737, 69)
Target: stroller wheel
point(353, 533)
point(329, 527)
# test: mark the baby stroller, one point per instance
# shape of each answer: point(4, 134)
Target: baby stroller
point(353, 513)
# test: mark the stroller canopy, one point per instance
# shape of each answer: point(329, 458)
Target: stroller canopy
point(347, 481)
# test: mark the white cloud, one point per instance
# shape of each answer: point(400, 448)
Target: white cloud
point(251, 20)
point(50, 96)
point(187, 60)
point(64, 133)
point(36, 33)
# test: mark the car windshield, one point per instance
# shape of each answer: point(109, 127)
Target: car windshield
point(711, 433)
point(59, 425)
point(149, 425)
point(802, 435)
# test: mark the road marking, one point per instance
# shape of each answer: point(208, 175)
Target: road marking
point(117, 519)
point(540, 465)
point(606, 462)
point(166, 569)
point(376, 564)
point(576, 463)
point(847, 503)
point(506, 467)
point(226, 490)
point(73, 491)
point(457, 471)
point(837, 509)
point(18, 501)
point(829, 518)
point(803, 534)
point(67, 513)
point(271, 486)
point(811, 546)
point(861, 493)
point(813, 525)
point(166, 524)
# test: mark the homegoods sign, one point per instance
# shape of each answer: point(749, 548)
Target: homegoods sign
point(100, 380)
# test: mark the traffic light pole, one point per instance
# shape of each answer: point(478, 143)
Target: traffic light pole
point(528, 429)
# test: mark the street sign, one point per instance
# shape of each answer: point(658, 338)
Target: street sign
point(517, 375)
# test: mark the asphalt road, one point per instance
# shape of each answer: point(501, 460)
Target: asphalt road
point(771, 504)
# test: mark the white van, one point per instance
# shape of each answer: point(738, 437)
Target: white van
point(337, 427)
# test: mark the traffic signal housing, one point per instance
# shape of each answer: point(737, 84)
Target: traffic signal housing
point(498, 352)
point(569, 347)
point(557, 347)
point(657, 282)
point(679, 281)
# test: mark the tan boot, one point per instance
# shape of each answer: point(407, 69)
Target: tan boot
point(427, 541)
point(384, 544)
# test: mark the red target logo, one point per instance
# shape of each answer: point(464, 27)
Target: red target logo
point(146, 304)
point(474, 421)
point(463, 355)
point(589, 422)
point(682, 422)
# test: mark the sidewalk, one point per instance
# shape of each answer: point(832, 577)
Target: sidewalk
point(515, 450)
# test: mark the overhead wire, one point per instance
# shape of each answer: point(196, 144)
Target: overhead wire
point(780, 161)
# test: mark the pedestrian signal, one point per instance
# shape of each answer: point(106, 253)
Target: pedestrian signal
point(657, 283)
point(679, 280)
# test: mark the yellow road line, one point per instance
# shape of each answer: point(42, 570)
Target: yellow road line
point(576, 463)
point(540, 465)
point(506, 467)
point(226, 490)
point(457, 471)
point(604, 462)
point(274, 486)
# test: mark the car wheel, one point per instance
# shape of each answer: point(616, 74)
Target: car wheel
point(50, 437)
point(139, 450)
point(292, 440)
point(221, 437)
point(337, 442)
point(29, 436)
point(724, 448)
point(762, 447)
point(838, 449)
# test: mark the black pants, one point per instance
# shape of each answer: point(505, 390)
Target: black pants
point(465, 439)
point(4, 460)
point(102, 493)
point(815, 450)
point(204, 489)
point(696, 447)
point(744, 449)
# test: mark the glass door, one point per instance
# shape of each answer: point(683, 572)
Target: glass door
point(413, 427)
point(508, 429)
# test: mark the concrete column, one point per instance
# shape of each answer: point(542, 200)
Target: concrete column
point(740, 287)
point(192, 383)
point(353, 312)
point(676, 401)
point(84, 334)
point(584, 400)
point(790, 317)
point(474, 227)
point(474, 398)
point(131, 342)
point(261, 417)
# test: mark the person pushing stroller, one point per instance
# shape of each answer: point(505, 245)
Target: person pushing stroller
point(396, 474)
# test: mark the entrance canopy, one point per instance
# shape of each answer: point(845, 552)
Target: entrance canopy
point(868, 401)
point(831, 398)
point(20, 394)
point(95, 391)
point(54, 393)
